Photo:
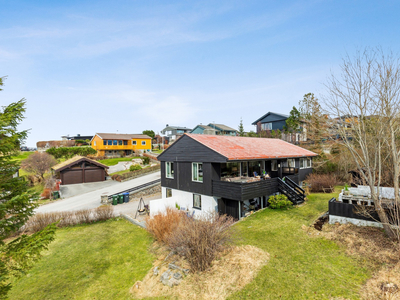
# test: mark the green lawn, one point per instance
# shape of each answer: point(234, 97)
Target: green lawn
point(22, 155)
point(114, 161)
point(99, 261)
point(157, 151)
point(300, 266)
point(102, 261)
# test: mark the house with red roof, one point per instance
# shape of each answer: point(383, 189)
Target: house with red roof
point(230, 174)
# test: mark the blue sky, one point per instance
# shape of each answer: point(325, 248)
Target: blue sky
point(126, 66)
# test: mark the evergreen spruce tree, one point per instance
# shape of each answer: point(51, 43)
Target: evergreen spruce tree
point(17, 203)
point(241, 130)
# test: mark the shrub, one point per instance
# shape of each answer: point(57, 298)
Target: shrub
point(162, 225)
point(135, 168)
point(319, 182)
point(279, 202)
point(201, 240)
point(83, 216)
point(68, 152)
point(68, 218)
point(145, 160)
point(104, 212)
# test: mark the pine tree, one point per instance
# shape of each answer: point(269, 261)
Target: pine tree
point(17, 202)
point(241, 130)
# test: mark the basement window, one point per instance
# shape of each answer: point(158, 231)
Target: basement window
point(197, 201)
point(169, 193)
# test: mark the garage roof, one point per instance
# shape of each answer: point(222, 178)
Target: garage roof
point(76, 159)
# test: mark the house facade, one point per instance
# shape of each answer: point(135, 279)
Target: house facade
point(214, 129)
point(172, 133)
point(274, 121)
point(231, 175)
point(117, 145)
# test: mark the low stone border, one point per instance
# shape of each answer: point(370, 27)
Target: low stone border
point(133, 221)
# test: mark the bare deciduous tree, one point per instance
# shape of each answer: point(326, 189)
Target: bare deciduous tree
point(38, 163)
point(365, 101)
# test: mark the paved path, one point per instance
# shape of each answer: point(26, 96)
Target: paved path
point(92, 199)
point(71, 190)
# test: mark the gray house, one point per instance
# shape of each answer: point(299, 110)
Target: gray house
point(214, 129)
point(172, 133)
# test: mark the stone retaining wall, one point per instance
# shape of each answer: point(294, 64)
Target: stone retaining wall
point(145, 192)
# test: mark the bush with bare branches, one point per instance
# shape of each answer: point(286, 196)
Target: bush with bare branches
point(319, 182)
point(103, 213)
point(162, 225)
point(201, 240)
point(68, 218)
point(83, 216)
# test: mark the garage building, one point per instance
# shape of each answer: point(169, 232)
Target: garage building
point(80, 169)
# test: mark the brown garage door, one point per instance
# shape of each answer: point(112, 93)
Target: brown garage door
point(71, 176)
point(94, 175)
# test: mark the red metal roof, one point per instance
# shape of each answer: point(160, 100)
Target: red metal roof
point(240, 148)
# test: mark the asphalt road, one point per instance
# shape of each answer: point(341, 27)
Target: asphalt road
point(92, 199)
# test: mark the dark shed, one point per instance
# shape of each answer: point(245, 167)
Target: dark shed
point(80, 169)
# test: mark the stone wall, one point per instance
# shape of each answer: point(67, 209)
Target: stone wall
point(145, 192)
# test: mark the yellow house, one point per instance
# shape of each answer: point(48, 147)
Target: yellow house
point(115, 144)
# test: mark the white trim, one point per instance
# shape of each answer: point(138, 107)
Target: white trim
point(197, 171)
point(144, 143)
point(166, 170)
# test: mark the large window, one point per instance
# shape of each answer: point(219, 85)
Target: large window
point(290, 162)
point(169, 193)
point(104, 142)
point(245, 169)
point(197, 172)
point(109, 143)
point(125, 143)
point(230, 170)
point(120, 142)
point(309, 162)
point(274, 165)
point(196, 201)
point(115, 142)
point(254, 168)
point(266, 126)
point(169, 169)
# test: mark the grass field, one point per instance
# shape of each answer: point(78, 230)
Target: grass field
point(102, 261)
point(301, 267)
point(114, 161)
point(22, 155)
point(99, 261)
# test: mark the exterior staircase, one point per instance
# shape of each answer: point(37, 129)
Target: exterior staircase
point(291, 190)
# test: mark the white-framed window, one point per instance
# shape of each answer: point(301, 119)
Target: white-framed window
point(168, 193)
point(197, 172)
point(309, 162)
point(266, 126)
point(305, 163)
point(143, 143)
point(197, 201)
point(290, 162)
point(133, 142)
point(274, 165)
point(94, 143)
point(169, 170)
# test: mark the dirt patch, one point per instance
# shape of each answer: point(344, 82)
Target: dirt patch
point(236, 268)
point(373, 249)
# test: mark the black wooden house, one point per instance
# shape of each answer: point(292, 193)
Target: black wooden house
point(232, 175)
